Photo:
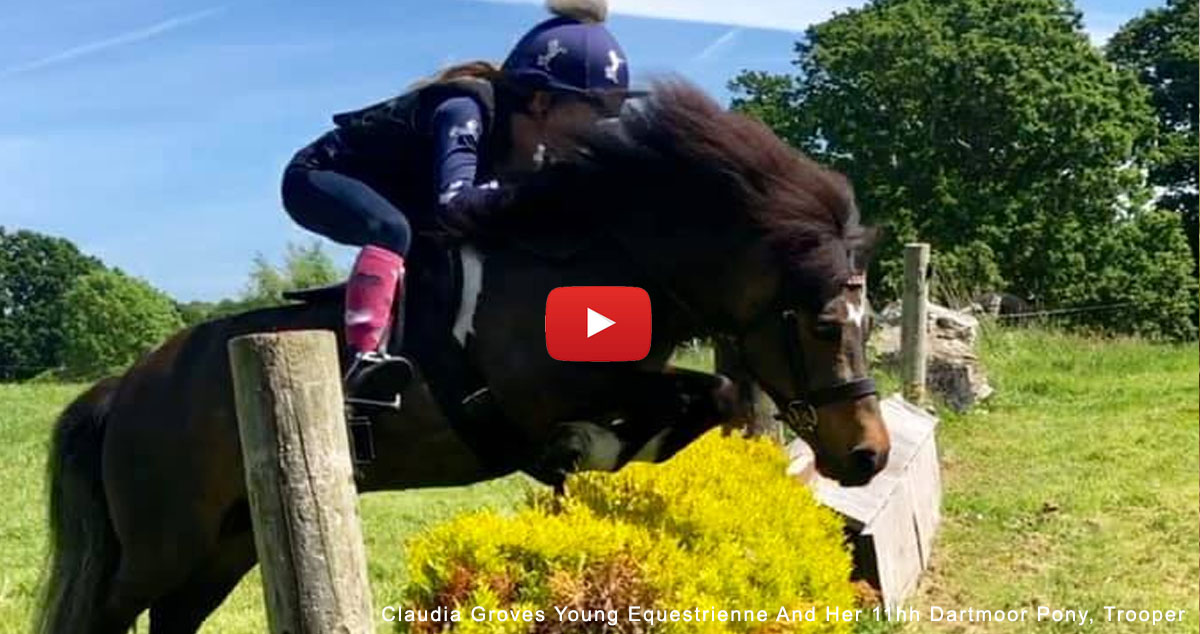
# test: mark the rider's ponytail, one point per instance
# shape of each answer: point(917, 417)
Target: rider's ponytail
point(480, 69)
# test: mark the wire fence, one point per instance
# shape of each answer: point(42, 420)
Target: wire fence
point(952, 293)
point(1065, 311)
point(19, 373)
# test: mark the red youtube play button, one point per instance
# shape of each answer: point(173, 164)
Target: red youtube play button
point(598, 323)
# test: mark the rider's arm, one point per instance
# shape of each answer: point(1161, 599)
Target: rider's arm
point(457, 130)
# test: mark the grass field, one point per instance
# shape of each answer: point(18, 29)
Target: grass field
point(26, 414)
point(1076, 487)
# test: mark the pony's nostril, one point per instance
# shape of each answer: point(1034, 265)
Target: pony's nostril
point(862, 461)
point(867, 460)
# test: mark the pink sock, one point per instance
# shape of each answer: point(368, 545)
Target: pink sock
point(374, 282)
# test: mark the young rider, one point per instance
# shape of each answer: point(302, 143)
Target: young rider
point(438, 149)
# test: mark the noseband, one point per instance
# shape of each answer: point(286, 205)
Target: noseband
point(800, 413)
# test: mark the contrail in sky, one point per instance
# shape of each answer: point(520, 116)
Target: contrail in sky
point(776, 15)
point(130, 37)
point(718, 45)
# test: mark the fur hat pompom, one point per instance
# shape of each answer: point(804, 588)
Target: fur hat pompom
point(581, 10)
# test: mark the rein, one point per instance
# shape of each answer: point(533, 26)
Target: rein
point(800, 413)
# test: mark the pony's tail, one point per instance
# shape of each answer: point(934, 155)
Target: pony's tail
point(83, 547)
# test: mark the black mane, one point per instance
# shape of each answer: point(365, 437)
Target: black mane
point(683, 158)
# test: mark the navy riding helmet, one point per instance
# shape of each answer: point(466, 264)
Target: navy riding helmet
point(572, 52)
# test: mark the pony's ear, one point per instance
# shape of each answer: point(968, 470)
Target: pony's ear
point(865, 247)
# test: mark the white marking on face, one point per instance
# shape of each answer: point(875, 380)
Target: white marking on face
point(855, 312)
point(614, 66)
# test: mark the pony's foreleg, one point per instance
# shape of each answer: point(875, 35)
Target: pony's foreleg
point(692, 403)
point(656, 415)
point(576, 446)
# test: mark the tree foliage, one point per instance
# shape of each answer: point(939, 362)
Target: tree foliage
point(110, 320)
point(1161, 47)
point(62, 309)
point(303, 266)
point(35, 273)
point(992, 129)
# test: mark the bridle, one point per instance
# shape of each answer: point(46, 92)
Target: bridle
point(800, 413)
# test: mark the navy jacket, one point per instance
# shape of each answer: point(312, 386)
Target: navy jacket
point(420, 150)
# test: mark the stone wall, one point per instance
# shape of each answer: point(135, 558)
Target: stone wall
point(954, 374)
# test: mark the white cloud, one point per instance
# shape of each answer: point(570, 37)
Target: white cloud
point(777, 15)
point(128, 37)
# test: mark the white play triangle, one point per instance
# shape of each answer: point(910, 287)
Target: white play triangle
point(597, 322)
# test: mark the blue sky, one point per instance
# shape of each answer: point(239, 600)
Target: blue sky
point(152, 133)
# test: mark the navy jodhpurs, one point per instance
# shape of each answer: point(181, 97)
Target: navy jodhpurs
point(344, 209)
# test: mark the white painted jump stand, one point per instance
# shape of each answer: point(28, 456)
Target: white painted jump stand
point(895, 517)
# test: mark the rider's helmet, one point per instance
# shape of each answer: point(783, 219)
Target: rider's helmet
point(571, 52)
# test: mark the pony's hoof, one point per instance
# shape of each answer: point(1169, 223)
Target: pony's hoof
point(725, 398)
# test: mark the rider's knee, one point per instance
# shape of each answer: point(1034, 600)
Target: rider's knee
point(392, 233)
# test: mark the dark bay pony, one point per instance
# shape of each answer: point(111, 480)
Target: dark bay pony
point(731, 232)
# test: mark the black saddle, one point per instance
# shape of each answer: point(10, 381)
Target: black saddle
point(317, 294)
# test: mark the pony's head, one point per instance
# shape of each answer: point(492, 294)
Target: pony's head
point(766, 245)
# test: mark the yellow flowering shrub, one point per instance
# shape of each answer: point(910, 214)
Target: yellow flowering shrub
point(718, 527)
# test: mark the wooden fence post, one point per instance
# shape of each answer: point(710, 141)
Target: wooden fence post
point(301, 483)
point(914, 321)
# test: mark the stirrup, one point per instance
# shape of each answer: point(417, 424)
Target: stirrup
point(368, 364)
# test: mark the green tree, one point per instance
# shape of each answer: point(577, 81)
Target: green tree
point(111, 320)
point(303, 266)
point(35, 272)
point(990, 128)
point(1161, 47)
point(194, 312)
